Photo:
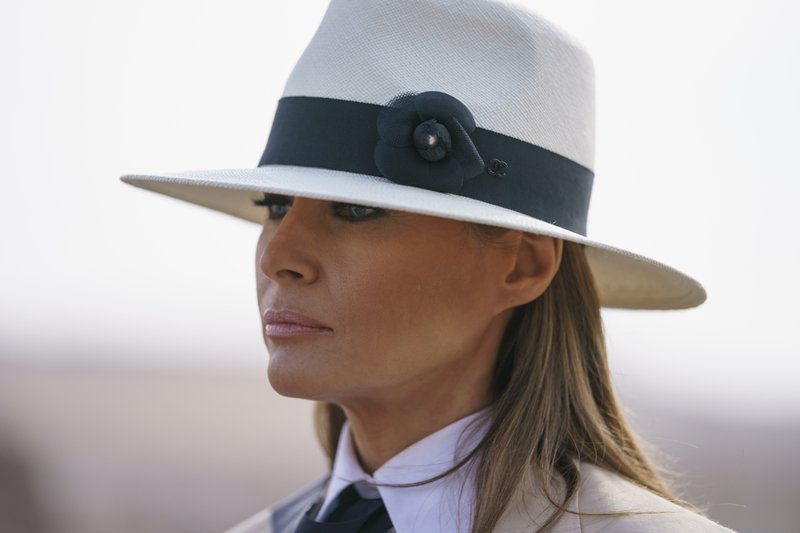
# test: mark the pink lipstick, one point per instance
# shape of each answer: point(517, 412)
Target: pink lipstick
point(290, 323)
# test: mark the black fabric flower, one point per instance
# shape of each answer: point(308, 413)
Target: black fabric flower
point(424, 142)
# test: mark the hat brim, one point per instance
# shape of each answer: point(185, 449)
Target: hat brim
point(624, 279)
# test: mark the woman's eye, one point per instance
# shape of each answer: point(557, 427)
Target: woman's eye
point(356, 213)
point(277, 211)
point(277, 205)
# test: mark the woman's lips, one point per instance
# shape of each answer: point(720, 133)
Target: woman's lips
point(292, 330)
point(291, 323)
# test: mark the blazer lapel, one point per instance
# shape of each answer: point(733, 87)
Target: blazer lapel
point(287, 514)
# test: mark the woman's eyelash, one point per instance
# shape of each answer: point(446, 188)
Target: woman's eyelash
point(272, 199)
point(373, 211)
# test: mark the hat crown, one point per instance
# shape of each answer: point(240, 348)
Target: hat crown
point(518, 73)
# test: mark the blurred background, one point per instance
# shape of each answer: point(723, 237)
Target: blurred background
point(133, 390)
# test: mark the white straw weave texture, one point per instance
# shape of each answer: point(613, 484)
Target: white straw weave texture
point(518, 73)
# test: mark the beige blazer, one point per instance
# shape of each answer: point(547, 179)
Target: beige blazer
point(600, 491)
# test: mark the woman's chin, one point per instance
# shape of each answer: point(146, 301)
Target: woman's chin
point(296, 381)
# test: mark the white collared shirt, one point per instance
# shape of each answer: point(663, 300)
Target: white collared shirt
point(444, 505)
point(441, 506)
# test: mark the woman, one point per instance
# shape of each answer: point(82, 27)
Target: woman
point(423, 273)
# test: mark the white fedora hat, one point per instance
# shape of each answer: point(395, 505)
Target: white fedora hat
point(476, 110)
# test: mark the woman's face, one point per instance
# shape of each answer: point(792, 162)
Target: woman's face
point(408, 299)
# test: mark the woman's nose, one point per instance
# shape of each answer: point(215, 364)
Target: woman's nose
point(287, 246)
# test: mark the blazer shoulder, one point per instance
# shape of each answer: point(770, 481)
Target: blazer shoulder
point(261, 522)
point(603, 491)
point(283, 515)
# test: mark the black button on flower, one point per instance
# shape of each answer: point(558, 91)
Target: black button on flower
point(432, 140)
point(424, 142)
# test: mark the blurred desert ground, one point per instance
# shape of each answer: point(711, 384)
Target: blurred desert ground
point(109, 449)
point(132, 450)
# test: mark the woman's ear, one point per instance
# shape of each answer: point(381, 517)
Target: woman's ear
point(534, 265)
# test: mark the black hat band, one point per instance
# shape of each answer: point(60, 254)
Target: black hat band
point(343, 135)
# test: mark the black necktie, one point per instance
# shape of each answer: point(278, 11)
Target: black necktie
point(352, 514)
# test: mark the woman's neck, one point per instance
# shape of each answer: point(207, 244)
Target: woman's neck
point(382, 429)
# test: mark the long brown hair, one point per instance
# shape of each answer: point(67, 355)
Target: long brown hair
point(553, 401)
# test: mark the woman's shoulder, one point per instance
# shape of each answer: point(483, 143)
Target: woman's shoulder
point(603, 491)
point(600, 491)
point(283, 515)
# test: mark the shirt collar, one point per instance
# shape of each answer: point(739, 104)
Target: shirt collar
point(443, 505)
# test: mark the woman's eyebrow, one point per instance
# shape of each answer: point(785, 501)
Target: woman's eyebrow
point(277, 197)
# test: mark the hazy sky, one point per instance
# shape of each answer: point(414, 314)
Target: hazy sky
point(697, 121)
